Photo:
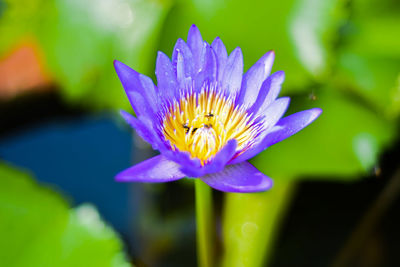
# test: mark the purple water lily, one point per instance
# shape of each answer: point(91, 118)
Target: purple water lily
point(206, 118)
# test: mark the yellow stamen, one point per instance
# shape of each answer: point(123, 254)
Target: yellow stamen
point(202, 123)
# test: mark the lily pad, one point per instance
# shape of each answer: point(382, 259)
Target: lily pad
point(39, 229)
point(369, 54)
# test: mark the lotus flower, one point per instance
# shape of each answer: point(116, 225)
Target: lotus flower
point(207, 118)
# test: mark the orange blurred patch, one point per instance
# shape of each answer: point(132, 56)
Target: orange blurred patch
point(22, 70)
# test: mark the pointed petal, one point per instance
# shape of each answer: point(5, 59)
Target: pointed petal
point(139, 89)
point(154, 170)
point(208, 71)
point(269, 92)
point(182, 60)
point(238, 178)
point(222, 56)
point(285, 128)
point(290, 125)
point(166, 78)
point(274, 112)
point(251, 85)
point(144, 129)
point(232, 77)
point(268, 60)
point(210, 63)
point(151, 90)
point(180, 67)
point(195, 42)
point(254, 78)
point(222, 157)
point(259, 100)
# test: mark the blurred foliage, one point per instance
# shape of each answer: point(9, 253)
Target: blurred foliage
point(17, 22)
point(369, 53)
point(80, 40)
point(39, 229)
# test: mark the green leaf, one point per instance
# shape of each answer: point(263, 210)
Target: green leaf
point(82, 38)
point(39, 229)
point(369, 54)
point(299, 31)
point(372, 77)
point(343, 142)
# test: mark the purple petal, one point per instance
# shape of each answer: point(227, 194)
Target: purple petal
point(254, 78)
point(222, 157)
point(182, 60)
point(150, 88)
point(183, 159)
point(139, 89)
point(271, 116)
point(222, 56)
point(238, 178)
point(208, 70)
point(290, 125)
point(268, 60)
point(154, 170)
point(180, 67)
point(195, 42)
point(192, 167)
point(166, 78)
point(255, 108)
point(143, 127)
point(232, 77)
point(274, 112)
point(269, 92)
point(285, 128)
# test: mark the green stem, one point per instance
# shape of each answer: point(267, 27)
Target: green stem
point(205, 226)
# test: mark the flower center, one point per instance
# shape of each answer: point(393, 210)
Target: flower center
point(202, 123)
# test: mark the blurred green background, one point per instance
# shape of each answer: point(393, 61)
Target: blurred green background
point(59, 103)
